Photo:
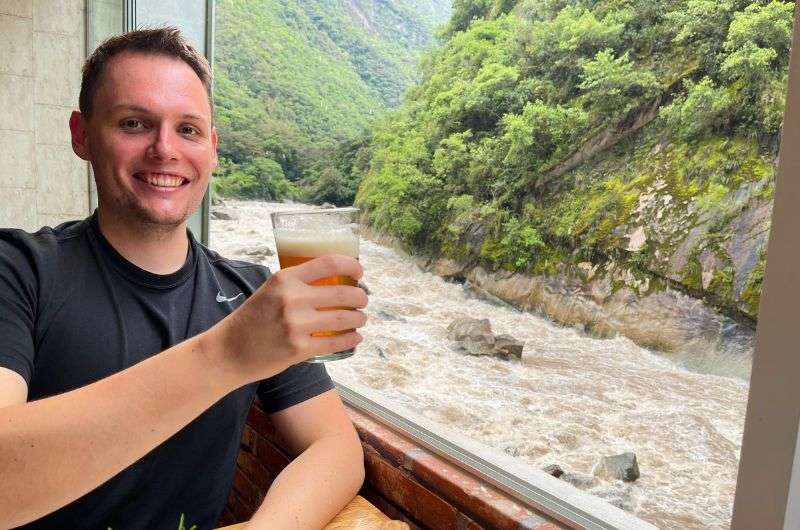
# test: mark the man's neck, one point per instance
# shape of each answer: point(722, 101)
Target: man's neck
point(156, 249)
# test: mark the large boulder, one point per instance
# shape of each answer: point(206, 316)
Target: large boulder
point(476, 338)
point(473, 335)
point(618, 467)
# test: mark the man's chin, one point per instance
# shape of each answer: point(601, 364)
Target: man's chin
point(162, 219)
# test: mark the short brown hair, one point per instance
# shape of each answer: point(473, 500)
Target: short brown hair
point(166, 41)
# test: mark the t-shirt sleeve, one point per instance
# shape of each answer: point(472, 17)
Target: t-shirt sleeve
point(294, 385)
point(17, 310)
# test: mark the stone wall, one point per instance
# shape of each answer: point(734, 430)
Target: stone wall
point(42, 48)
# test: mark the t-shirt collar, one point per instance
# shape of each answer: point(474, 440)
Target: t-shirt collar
point(135, 273)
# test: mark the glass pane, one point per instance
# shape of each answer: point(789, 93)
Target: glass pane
point(104, 18)
point(190, 17)
point(566, 216)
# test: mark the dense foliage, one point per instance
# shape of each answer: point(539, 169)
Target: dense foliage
point(484, 156)
point(298, 81)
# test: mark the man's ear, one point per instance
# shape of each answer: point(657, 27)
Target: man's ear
point(215, 161)
point(80, 140)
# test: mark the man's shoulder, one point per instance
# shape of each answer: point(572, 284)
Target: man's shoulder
point(20, 246)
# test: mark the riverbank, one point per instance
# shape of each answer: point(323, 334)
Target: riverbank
point(683, 328)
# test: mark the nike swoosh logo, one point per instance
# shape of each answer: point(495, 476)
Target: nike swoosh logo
point(221, 298)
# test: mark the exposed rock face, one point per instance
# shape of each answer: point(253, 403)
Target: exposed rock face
point(729, 237)
point(447, 268)
point(476, 337)
point(666, 320)
point(749, 234)
point(618, 467)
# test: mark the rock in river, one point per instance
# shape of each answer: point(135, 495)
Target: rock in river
point(476, 337)
point(618, 467)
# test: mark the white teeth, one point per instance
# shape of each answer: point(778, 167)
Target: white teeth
point(161, 180)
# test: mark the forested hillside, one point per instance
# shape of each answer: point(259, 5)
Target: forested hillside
point(629, 144)
point(297, 80)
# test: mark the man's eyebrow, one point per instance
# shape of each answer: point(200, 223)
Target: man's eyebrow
point(137, 108)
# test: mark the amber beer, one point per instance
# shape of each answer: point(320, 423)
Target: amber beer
point(301, 236)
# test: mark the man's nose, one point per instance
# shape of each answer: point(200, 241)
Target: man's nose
point(163, 146)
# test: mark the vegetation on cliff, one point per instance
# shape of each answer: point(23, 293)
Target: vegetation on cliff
point(550, 133)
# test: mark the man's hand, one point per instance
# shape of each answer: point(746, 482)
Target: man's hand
point(272, 329)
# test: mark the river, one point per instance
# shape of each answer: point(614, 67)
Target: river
point(571, 399)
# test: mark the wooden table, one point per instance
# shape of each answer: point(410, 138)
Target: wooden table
point(360, 514)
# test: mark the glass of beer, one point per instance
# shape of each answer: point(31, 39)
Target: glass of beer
point(303, 235)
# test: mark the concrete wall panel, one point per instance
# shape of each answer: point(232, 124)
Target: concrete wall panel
point(18, 209)
point(17, 159)
point(52, 124)
point(19, 8)
point(62, 16)
point(16, 34)
point(16, 100)
point(58, 60)
point(42, 48)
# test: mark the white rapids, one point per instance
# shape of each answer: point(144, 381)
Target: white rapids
point(570, 400)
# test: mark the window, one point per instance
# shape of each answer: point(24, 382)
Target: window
point(595, 180)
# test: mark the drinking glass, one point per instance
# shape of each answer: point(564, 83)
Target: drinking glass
point(303, 235)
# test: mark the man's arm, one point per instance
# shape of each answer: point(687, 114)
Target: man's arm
point(325, 476)
point(56, 449)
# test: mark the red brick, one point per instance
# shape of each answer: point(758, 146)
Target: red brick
point(255, 471)
point(470, 495)
point(258, 420)
point(394, 483)
point(388, 443)
point(392, 511)
point(270, 456)
point(238, 508)
point(248, 441)
point(465, 523)
point(247, 490)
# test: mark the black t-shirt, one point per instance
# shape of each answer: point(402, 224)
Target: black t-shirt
point(73, 310)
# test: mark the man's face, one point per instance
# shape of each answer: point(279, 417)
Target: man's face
point(149, 139)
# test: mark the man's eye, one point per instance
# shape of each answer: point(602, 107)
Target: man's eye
point(189, 130)
point(132, 123)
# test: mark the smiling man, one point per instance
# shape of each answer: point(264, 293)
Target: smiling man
point(131, 353)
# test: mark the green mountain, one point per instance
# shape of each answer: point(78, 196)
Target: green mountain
point(295, 78)
point(628, 144)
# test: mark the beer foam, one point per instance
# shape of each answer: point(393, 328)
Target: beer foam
point(315, 243)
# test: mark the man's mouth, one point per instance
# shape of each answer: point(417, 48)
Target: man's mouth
point(161, 180)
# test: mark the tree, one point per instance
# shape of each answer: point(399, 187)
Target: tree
point(464, 12)
point(612, 86)
point(540, 133)
point(703, 108)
